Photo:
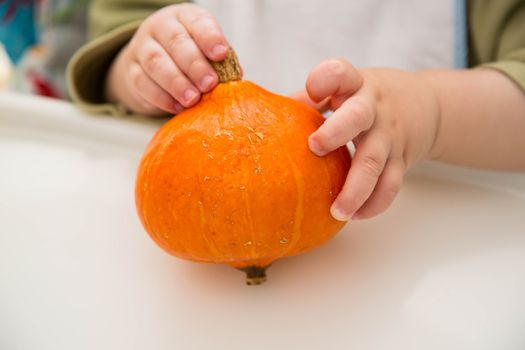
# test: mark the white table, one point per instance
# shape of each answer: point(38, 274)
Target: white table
point(444, 268)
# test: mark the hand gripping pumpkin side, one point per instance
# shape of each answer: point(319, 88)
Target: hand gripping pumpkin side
point(232, 180)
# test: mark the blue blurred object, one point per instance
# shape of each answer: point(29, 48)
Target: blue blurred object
point(17, 27)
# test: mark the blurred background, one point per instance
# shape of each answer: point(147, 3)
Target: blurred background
point(5, 68)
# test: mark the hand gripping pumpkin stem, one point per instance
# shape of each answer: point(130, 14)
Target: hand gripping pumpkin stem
point(228, 69)
point(255, 275)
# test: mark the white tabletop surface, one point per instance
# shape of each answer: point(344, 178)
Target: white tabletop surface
point(444, 268)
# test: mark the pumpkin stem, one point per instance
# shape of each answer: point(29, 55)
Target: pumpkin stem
point(255, 275)
point(228, 69)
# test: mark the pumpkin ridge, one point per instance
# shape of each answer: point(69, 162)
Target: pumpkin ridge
point(210, 242)
point(193, 119)
point(269, 105)
point(249, 220)
point(299, 209)
point(244, 113)
point(245, 197)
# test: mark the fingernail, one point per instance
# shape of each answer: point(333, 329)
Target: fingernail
point(189, 95)
point(339, 214)
point(207, 82)
point(314, 147)
point(219, 50)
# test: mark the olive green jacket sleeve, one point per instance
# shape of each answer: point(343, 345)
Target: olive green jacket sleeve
point(497, 37)
point(111, 23)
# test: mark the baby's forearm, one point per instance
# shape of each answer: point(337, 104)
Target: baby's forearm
point(482, 118)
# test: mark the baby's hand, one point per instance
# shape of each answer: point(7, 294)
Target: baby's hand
point(164, 66)
point(391, 116)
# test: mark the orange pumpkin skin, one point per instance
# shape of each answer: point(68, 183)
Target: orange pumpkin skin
point(232, 180)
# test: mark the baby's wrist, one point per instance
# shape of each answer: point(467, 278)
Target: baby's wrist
point(428, 78)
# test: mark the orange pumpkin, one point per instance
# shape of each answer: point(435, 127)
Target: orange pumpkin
point(232, 180)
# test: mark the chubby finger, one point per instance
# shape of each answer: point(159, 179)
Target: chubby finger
point(180, 46)
point(302, 96)
point(335, 78)
point(164, 72)
point(368, 164)
point(355, 115)
point(150, 95)
point(386, 190)
point(205, 30)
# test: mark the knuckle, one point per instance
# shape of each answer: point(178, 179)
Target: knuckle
point(372, 165)
point(175, 40)
point(360, 116)
point(152, 61)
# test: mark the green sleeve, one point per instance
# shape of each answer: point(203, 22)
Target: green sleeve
point(497, 37)
point(111, 24)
